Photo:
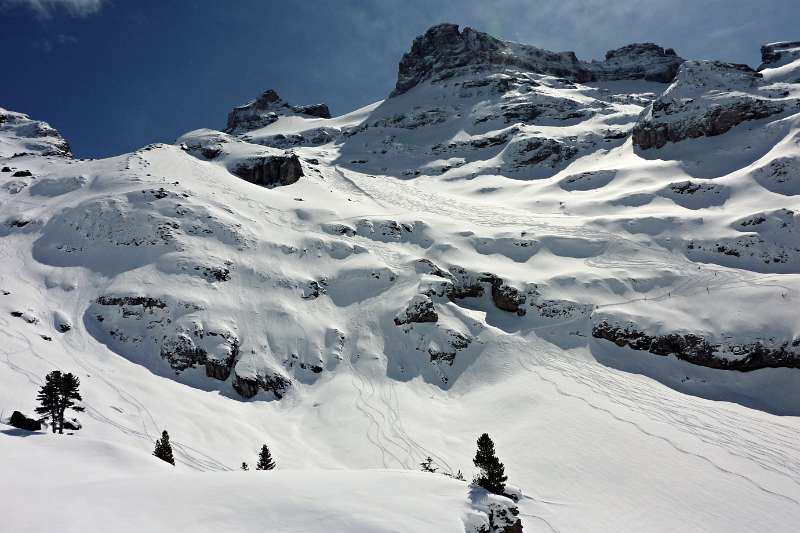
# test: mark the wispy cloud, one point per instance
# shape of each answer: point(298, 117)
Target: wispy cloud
point(47, 8)
point(61, 39)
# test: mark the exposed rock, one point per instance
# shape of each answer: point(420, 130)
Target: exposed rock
point(270, 170)
point(20, 421)
point(637, 61)
point(504, 518)
point(779, 53)
point(266, 109)
point(312, 137)
point(21, 136)
point(184, 342)
point(541, 151)
point(420, 309)
point(443, 49)
point(700, 351)
point(468, 284)
point(248, 386)
point(707, 98)
point(494, 514)
point(508, 298)
point(313, 110)
point(454, 342)
point(314, 289)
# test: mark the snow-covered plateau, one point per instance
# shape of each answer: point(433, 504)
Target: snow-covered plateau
point(595, 262)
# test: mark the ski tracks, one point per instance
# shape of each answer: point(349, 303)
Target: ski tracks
point(575, 371)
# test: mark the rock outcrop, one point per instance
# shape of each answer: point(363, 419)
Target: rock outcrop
point(443, 49)
point(270, 170)
point(508, 298)
point(698, 350)
point(248, 385)
point(779, 53)
point(23, 136)
point(266, 109)
point(169, 329)
point(420, 309)
point(708, 98)
point(492, 514)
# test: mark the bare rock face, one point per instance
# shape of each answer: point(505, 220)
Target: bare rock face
point(248, 385)
point(779, 53)
point(169, 329)
point(420, 309)
point(313, 110)
point(645, 61)
point(270, 170)
point(698, 350)
point(508, 298)
point(24, 136)
point(266, 109)
point(707, 98)
point(443, 50)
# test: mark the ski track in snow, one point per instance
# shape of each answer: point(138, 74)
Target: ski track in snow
point(644, 403)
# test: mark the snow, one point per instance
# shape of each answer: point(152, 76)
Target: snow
point(168, 268)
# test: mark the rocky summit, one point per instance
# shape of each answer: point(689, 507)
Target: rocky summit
point(598, 260)
point(443, 51)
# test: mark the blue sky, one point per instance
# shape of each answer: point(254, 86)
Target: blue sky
point(114, 75)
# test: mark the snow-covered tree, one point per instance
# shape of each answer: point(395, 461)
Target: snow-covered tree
point(492, 472)
point(164, 449)
point(265, 461)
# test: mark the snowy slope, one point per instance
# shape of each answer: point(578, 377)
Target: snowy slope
point(576, 257)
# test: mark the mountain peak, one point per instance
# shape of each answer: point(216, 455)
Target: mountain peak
point(21, 135)
point(443, 49)
point(266, 109)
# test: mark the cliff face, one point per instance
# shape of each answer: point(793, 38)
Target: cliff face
point(443, 50)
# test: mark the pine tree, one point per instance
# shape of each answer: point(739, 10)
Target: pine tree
point(59, 393)
point(265, 461)
point(245, 467)
point(427, 465)
point(492, 472)
point(459, 476)
point(68, 395)
point(164, 449)
point(48, 398)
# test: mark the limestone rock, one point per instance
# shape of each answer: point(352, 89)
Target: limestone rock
point(270, 170)
point(708, 98)
point(443, 49)
point(266, 109)
point(420, 309)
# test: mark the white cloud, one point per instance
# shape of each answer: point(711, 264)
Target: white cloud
point(46, 8)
